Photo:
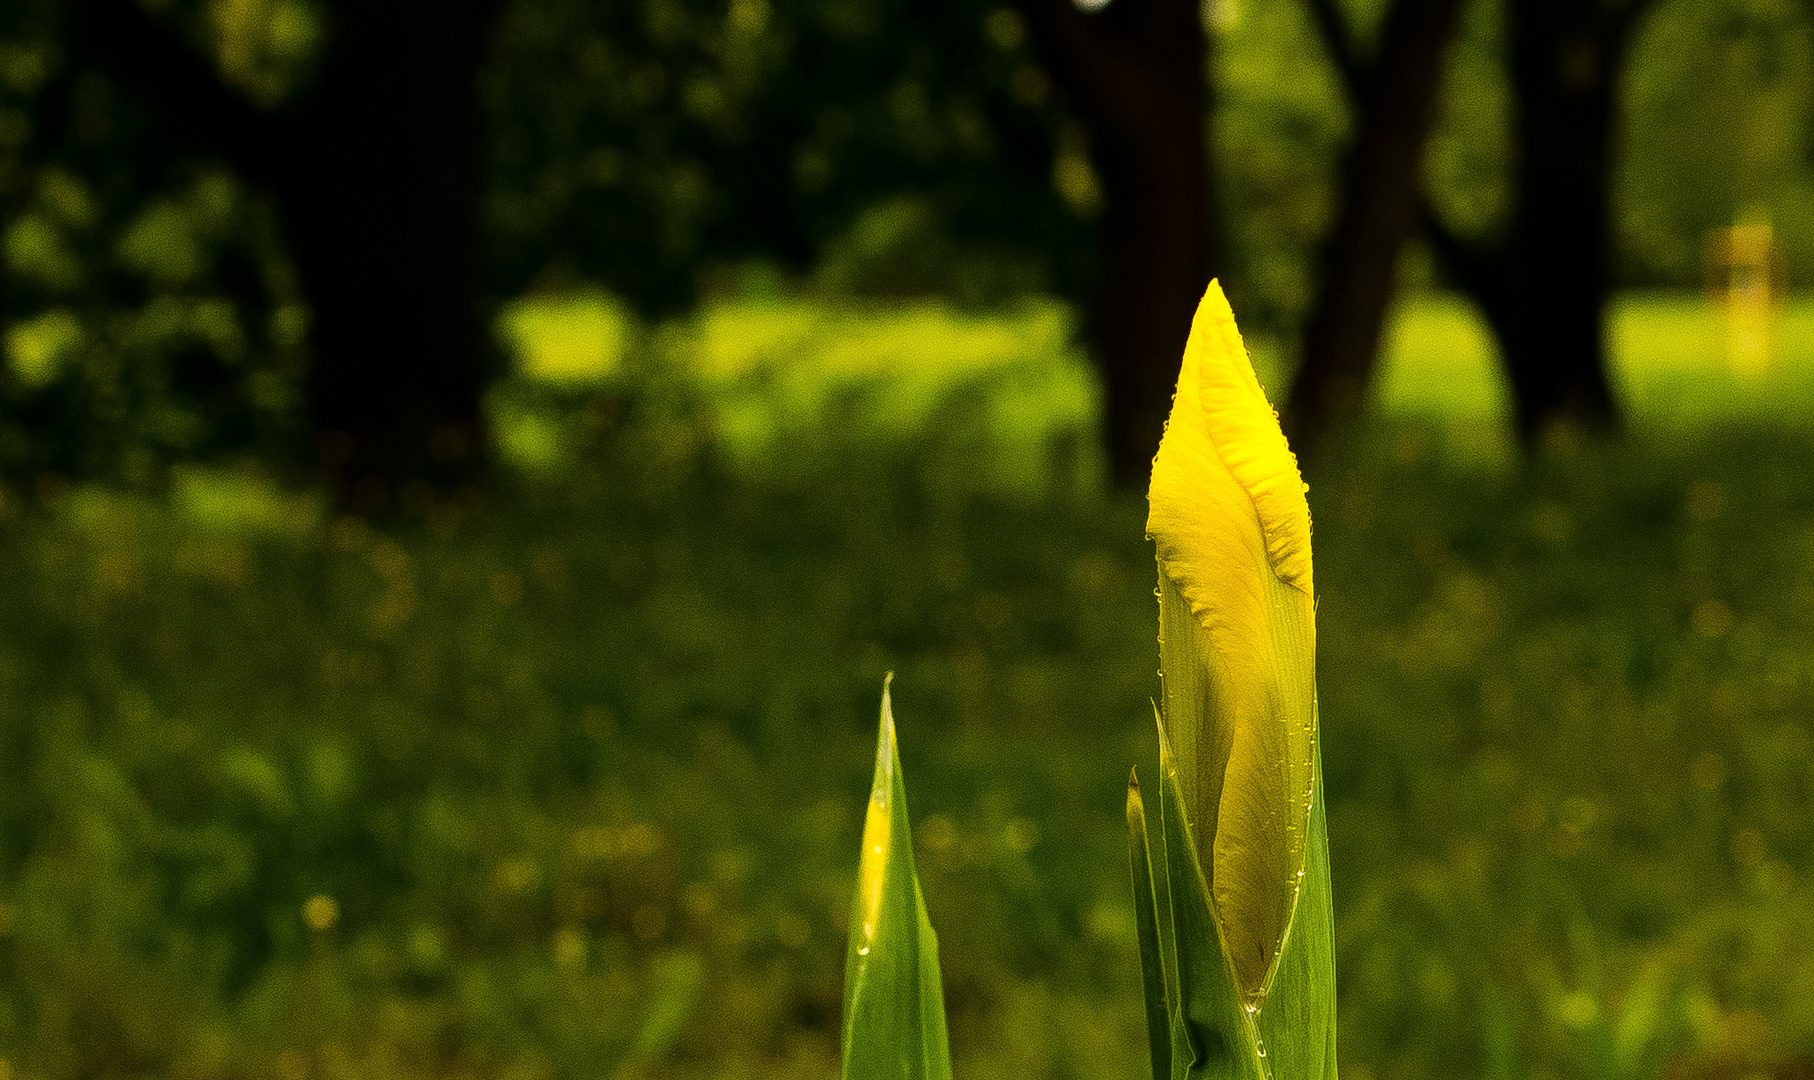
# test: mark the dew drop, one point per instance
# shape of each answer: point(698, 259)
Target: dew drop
point(864, 951)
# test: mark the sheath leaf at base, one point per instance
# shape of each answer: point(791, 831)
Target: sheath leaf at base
point(1213, 1035)
point(1297, 1021)
point(1155, 967)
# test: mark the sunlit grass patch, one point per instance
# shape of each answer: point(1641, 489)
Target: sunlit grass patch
point(569, 339)
point(785, 374)
point(1012, 392)
point(1671, 362)
point(997, 401)
point(1681, 367)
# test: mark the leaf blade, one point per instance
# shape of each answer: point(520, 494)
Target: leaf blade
point(1155, 977)
point(894, 1005)
point(1213, 1037)
point(1297, 1019)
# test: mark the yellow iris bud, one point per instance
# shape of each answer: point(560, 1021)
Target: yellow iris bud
point(1237, 639)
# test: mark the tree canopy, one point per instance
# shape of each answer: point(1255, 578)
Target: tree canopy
point(158, 303)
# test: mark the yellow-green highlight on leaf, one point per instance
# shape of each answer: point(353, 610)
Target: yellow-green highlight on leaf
point(872, 870)
point(894, 1006)
point(1237, 640)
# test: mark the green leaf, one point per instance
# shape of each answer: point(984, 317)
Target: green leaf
point(1214, 1032)
point(1213, 1035)
point(1296, 1022)
point(894, 1008)
point(1155, 968)
point(1240, 709)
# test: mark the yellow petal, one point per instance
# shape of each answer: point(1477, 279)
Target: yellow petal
point(1237, 637)
point(1224, 438)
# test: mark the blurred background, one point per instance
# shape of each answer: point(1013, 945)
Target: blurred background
point(466, 466)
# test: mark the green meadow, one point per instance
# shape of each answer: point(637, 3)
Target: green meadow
point(564, 778)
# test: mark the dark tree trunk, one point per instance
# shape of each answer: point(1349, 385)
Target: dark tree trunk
point(382, 209)
point(1135, 72)
point(1544, 289)
point(1549, 318)
point(377, 174)
point(1394, 102)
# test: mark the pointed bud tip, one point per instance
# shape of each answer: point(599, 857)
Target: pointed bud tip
point(1225, 482)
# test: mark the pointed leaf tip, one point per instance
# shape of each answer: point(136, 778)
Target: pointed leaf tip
point(1156, 979)
point(894, 1013)
point(872, 869)
point(1136, 811)
point(886, 752)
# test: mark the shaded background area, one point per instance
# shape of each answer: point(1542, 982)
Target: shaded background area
point(465, 469)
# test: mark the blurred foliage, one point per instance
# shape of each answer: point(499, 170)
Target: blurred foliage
point(567, 784)
point(664, 150)
point(657, 149)
point(1721, 96)
point(1717, 99)
point(1000, 402)
point(1280, 127)
point(148, 311)
point(654, 147)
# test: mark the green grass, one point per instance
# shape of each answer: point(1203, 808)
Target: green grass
point(1672, 365)
point(1004, 403)
point(567, 781)
point(781, 370)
